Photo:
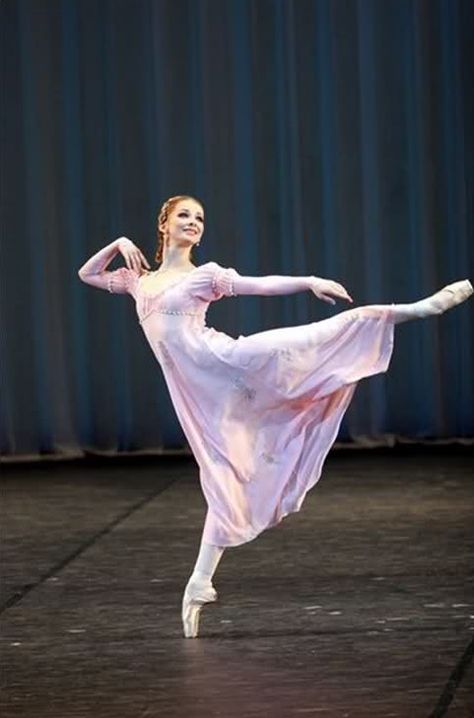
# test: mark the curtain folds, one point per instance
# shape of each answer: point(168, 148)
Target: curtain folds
point(327, 137)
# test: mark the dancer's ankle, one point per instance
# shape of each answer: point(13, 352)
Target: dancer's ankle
point(200, 577)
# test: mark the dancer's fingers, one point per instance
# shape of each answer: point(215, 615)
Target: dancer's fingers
point(129, 258)
point(145, 260)
point(137, 261)
point(342, 292)
point(327, 298)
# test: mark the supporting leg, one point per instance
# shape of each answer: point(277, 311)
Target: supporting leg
point(207, 562)
point(199, 589)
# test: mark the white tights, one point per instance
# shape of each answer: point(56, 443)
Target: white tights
point(207, 562)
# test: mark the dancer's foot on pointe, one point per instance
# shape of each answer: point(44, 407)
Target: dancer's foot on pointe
point(438, 303)
point(196, 594)
point(449, 296)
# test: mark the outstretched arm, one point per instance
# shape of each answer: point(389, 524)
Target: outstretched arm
point(324, 289)
point(93, 271)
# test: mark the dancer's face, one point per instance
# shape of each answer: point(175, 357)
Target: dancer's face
point(185, 223)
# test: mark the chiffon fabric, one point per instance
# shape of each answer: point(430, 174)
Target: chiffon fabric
point(260, 412)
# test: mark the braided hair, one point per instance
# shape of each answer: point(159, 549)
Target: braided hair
point(165, 211)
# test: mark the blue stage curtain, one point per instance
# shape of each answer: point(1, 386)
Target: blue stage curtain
point(326, 137)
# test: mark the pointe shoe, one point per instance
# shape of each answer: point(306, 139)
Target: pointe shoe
point(195, 596)
point(451, 295)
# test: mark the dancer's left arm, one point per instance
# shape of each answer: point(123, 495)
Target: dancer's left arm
point(324, 289)
point(228, 282)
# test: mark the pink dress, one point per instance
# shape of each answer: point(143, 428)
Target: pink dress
point(260, 412)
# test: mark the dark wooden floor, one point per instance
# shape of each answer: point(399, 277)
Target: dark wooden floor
point(360, 605)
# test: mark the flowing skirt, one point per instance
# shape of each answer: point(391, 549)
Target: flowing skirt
point(261, 412)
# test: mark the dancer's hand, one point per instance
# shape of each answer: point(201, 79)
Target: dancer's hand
point(326, 289)
point(134, 258)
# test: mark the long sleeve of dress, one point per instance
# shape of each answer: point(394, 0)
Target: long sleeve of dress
point(216, 282)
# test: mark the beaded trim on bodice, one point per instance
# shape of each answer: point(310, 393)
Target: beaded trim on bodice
point(157, 310)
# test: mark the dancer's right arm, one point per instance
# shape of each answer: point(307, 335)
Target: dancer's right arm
point(94, 272)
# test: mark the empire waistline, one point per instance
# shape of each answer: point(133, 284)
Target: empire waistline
point(170, 312)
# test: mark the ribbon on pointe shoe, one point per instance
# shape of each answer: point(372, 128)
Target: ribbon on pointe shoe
point(201, 592)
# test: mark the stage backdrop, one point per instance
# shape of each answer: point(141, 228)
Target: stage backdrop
point(328, 137)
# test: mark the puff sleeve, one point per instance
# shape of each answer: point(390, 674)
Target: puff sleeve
point(215, 282)
point(122, 281)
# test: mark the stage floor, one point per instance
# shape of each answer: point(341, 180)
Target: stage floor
point(360, 605)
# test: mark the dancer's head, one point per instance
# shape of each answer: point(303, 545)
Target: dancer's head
point(180, 222)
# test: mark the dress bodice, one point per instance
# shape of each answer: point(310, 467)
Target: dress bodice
point(186, 296)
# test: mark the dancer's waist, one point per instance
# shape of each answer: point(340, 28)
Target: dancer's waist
point(171, 313)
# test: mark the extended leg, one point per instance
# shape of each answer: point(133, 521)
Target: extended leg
point(438, 303)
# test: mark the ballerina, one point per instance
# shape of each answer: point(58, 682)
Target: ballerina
point(262, 411)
